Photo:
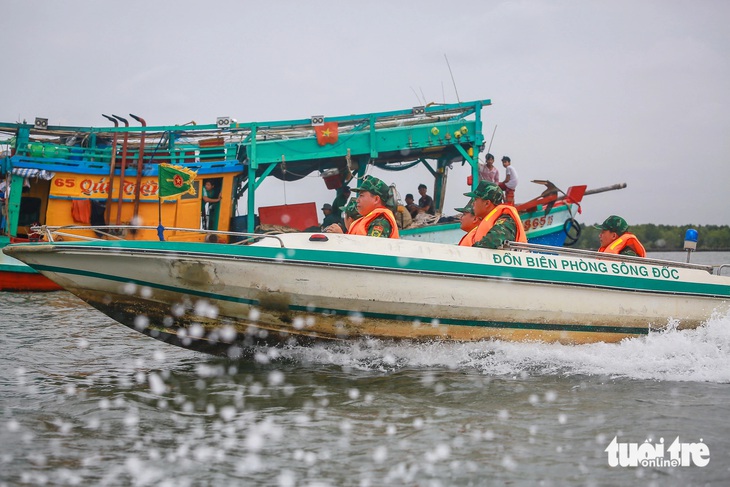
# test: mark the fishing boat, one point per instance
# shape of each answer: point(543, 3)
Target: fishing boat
point(305, 287)
point(97, 176)
point(110, 175)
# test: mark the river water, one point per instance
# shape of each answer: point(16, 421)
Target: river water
point(85, 401)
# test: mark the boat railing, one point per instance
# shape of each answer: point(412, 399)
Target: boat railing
point(548, 249)
point(120, 232)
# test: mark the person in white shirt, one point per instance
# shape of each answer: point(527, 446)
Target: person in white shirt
point(510, 181)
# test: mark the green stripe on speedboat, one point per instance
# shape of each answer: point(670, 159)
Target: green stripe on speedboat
point(385, 316)
point(329, 257)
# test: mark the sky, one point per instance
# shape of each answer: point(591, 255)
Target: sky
point(583, 92)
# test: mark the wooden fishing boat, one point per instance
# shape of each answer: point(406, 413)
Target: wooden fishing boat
point(103, 175)
point(299, 287)
point(96, 176)
point(16, 276)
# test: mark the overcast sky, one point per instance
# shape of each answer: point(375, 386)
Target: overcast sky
point(583, 92)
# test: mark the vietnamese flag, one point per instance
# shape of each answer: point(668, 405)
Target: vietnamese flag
point(326, 133)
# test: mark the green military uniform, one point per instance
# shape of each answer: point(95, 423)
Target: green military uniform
point(628, 251)
point(619, 226)
point(505, 228)
point(350, 209)
point(380, 227)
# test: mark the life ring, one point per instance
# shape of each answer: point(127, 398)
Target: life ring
point(572, 231)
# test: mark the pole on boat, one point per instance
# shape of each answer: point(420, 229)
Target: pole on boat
point(160, 228)
point(605, 188)
point(112, 165)
point(125, 143)
point(140, 164)
point(690, 241)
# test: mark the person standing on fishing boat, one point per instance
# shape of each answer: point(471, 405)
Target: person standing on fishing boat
point(500, 222)
point(510, 181)
point(343, 195)
point(469, 223)
point(378, 220)
point(616, 239)
point(487, 171)
point(210, 202)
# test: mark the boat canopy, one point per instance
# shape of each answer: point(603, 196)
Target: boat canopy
point(344, 146)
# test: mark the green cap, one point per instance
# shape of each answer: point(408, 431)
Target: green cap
point(350, 209)
point(487, 190)
point(467, 209)
point(375, 186)
point(614, 223)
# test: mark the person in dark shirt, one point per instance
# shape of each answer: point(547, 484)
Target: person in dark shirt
point(343, 194)
point(411, 205)
point(425, 202)
point(329, 216)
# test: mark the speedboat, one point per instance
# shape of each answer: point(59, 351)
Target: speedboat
point(224, 298)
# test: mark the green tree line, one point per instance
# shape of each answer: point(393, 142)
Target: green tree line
point(664, 237)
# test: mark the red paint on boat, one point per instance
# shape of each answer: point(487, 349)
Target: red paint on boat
point(25, 281)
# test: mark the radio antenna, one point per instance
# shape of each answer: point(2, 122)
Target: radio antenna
point(414, 92)
point(452, 78)
point(489, 149)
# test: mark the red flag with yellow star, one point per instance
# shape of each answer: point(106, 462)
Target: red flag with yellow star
point(326, 133)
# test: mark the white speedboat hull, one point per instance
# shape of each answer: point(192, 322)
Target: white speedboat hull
point(210, 296)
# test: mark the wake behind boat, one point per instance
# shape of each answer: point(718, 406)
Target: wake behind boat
point(298, 287)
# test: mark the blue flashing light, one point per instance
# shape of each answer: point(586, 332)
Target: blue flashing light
point(690, 235)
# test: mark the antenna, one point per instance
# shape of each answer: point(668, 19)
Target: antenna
point(423, 96)
point(452, 78)
point(492, 139)
point(414, 92)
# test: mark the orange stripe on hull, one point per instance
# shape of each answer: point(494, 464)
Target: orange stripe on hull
point(24, 281)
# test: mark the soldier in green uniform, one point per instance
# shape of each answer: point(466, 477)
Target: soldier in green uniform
point(616, 239)
point(377, 219)
point(504, 224)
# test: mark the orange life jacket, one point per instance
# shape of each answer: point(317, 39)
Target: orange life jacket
point(625, 240)
point(498, 211)
point(360, 226)
point(468, 239)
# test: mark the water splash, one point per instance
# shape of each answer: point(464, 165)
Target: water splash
point(700, 355)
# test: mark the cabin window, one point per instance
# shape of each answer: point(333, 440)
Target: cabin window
point(30, 211)
point(210, 211)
